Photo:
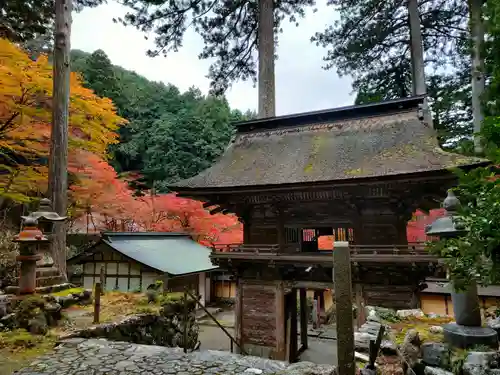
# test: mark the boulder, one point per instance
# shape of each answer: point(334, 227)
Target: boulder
point(480, 363)
point(428, 370)
point(415, 313)
point(9, 321)
point(53, 313)
point(436, 354)
point(38, 324)
point(436, 330)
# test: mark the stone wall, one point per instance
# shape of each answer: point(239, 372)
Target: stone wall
point(258, 323)
point(163, 329)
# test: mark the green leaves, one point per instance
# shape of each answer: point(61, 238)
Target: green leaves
point(170, 136)
point(371, 42)
point(476, 255)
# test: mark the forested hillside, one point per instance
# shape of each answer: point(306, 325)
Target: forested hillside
point(170, 135)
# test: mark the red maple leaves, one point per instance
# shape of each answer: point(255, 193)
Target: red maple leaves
point(104, 202)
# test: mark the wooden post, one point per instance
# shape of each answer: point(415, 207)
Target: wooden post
point(58, 156)
point(97, 302)
point(303, 317)
point(360, 305)
point(238, 311)
point(280, 321)
point(343, 300)
point(186, 313)
point(288, 337)
point(315, 319)
point(102, 279)
point(293, 323)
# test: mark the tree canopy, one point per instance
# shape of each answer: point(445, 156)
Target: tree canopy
point(25, 117)
point(227, 27)
point(171, 135)
point(371, 42)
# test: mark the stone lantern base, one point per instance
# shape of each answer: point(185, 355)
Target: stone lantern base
point(46, 273)
point(464, 337)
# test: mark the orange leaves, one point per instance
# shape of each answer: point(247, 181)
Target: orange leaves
point(26, 111)
point(109, 203)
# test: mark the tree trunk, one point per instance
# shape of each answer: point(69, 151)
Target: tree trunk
point(417, 50)
point(266, 59)
point(58, 162)
point(477, 36)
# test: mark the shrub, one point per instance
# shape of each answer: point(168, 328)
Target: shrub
point(8, 265)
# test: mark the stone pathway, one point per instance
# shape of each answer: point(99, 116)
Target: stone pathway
point(102, 357)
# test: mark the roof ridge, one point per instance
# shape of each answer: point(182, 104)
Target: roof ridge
point(368, 123)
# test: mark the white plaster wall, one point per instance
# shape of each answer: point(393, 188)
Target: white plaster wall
point(202, 288)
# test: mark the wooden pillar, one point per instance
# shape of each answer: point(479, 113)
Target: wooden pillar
point(238, 314)
point(360, 305)
point(303, 317)
point(280, 321)
point(293, 320)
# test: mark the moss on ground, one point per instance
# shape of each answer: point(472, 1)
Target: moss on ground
point(19, 348)
point(422, 326)
point(67, 292)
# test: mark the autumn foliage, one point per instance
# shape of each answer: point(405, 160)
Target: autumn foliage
point(103, 201)
point(25, 117)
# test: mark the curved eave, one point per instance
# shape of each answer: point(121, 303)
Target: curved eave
point(200, 192)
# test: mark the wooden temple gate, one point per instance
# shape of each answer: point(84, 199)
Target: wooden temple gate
point(357, 173)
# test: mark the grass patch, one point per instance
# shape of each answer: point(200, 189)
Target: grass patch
point(19, 348)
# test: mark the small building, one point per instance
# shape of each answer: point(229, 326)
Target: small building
point(131, 261)
point(436, 297)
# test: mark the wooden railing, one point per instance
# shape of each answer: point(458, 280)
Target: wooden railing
point(377, 253)
point(247, 248)
point(411, 248)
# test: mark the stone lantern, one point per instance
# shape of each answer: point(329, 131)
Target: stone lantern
point(46, 273)
point(46, 216)
point(467, 330)
point(30, 240)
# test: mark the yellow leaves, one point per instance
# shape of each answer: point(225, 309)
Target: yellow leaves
point(25, 118)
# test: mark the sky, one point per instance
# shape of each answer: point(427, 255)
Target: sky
point(301, 83)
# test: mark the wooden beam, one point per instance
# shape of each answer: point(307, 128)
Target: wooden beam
point(238, 315)
point(310, 284)
point(280, 321)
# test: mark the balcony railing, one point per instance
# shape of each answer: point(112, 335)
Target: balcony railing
point(411, 253)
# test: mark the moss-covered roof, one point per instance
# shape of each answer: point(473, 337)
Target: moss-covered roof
point(378, 144)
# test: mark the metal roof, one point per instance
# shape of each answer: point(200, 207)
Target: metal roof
point(173, 253)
